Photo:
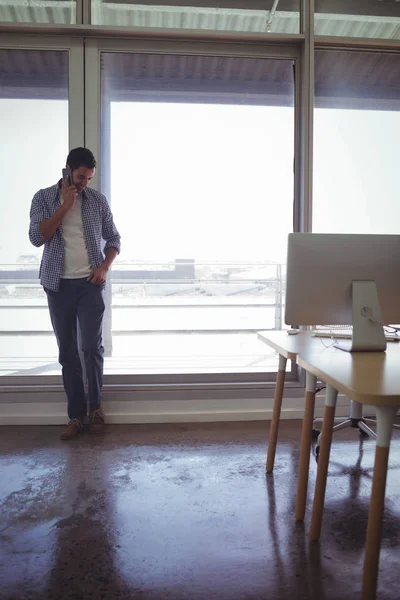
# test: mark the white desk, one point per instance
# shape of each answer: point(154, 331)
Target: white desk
point(372, 379)
point(368, 378)
point(290, 347)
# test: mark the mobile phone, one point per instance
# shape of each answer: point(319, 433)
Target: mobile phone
point(67, 173)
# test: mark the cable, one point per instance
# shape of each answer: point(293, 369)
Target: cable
point(329, 345)
point(366, 312)
point(394, 329)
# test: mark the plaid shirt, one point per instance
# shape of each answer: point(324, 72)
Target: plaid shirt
point(97, 222)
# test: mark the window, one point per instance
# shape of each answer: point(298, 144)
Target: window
point(258, 16)
point(355, 18)
point(198, 167)
point(33, 147)
point(38, 11)
point(356, 132)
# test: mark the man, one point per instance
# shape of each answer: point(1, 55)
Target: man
point(71, 221)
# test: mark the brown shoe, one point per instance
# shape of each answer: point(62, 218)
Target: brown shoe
point(96, 421)
point(72, 430)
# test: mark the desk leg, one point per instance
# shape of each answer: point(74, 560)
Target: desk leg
point(385, 416)
point(273, 432)
point(323, 462)
point(306, 437)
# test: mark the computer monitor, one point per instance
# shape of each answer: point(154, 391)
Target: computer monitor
point(344, 279)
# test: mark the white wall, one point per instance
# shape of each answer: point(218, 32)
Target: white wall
point(47, 406)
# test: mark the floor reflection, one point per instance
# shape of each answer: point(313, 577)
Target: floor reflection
point(184, 512)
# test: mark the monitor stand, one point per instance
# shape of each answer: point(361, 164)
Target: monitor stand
point(368, 332)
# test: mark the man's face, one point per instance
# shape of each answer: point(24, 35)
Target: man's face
point(82, 177)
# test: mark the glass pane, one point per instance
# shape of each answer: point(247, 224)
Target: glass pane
point(227, 15)
point(38, 11)
point(33, 148)
point(358, 18)
point(356, 133)
point(198, 166)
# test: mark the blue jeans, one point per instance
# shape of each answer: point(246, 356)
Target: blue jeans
point(78, 300)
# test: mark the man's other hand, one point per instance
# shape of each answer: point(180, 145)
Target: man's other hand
point(98, 276)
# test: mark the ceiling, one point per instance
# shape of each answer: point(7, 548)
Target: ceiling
point(347, 79)
point(33, 74)
point(203, 79)
point(357, 80)
point(352, 18)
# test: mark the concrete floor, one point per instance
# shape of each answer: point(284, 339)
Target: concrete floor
point(184, 512)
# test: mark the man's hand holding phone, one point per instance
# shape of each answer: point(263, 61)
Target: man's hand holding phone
point(69, 193)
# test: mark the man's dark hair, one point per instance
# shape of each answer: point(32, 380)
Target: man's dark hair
point(81, 157)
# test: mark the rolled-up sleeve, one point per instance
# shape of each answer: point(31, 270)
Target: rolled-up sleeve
point(37, 215)
point(109, 231)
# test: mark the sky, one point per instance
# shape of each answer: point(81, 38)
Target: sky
point(209, 182)
point(33, 149)
point(356, 171)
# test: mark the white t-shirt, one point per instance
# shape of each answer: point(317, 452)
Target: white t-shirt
point(76, 259)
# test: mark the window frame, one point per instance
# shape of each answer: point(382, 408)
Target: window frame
point(84, 127)
point(93, 49)
point(75, 49)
